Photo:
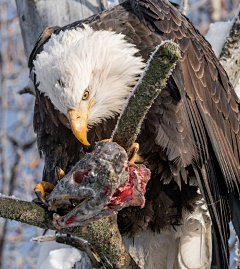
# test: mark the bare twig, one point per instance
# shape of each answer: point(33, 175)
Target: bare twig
point(98, 233)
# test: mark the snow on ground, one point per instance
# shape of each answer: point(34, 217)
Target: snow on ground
point(216, 35)
point(57, 256)
point(60, 256)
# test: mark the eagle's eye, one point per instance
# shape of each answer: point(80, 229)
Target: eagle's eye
point(61, 83)
point(85, 95)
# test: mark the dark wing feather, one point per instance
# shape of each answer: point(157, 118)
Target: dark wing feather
point(212, 111)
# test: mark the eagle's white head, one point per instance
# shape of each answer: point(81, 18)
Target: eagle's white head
point(87, 75)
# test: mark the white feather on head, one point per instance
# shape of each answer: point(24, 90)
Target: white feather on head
point(101, 61)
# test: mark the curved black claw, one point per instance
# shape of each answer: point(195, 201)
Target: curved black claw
point(40, 198)
point(133, 154)
point(59, 173)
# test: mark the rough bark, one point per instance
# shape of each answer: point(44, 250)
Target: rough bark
point(104, 235)
point(230, 55)
point(237, 253)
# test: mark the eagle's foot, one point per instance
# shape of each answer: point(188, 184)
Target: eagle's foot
point(43, 189)
point(133, 156)
point(59, 173)
point(100, 184)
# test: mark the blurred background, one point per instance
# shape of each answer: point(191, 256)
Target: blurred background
point(20, 166)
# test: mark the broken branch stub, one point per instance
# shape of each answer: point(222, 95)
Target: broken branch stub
point(154, 78)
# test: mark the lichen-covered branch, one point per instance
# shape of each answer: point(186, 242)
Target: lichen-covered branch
point(103, 234)
point(152, 81)
point(230, 54)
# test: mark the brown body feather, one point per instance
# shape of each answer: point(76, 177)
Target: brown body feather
point(191, 130)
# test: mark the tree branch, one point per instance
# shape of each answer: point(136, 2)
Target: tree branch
point(152, 81)
point(104, 235)
point(229, 56)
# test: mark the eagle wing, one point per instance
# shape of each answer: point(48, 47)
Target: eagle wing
point(211, 113)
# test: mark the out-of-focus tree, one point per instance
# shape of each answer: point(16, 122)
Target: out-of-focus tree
point(19, 161)
point(204, 12)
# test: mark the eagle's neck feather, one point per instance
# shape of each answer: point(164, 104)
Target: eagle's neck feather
point(101, 61)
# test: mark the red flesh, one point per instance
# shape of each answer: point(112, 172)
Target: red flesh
point(71, 220)
point(124, 195)
point(79, 174)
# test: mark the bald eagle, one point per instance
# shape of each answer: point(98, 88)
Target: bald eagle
point(190, 140)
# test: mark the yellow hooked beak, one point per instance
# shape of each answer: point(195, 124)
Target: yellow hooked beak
point(79, 120)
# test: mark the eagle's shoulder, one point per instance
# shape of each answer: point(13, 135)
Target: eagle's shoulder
point(43, 38)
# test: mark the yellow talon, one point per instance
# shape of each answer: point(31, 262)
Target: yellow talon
point(106, 140)
point(41, 189)
point(59, 173)
point(133, 156)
